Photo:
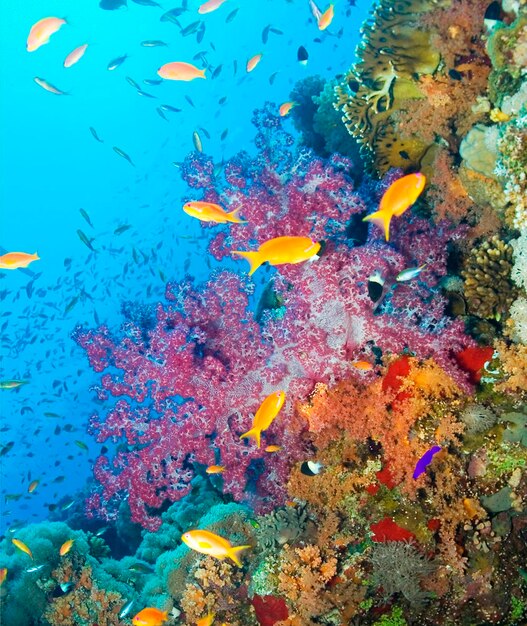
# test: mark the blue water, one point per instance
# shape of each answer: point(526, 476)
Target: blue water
point(51, 166)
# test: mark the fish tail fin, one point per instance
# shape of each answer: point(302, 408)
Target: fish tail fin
point(233, 554)
point(382, 220)
point(254, 433)
point(233, 217)
point(37, 258)
point(254, 259)
point(202, 74)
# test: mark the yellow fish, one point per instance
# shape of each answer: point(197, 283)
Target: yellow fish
point(210, 212)
point(150, 617)
point(399, 197)
point(22, 546)
point(281, 250)
point(215, 469)
point(66, 547)
point(253, 62)
point(180, 71)
point(326, 18)
point(265, 415)
point(285, 108)
point(273, 448)
point(41, 31)
point(211, 544)
point(363, 365)
point(15, 260)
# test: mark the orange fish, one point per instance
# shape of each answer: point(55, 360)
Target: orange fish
point(150, 617)
point(3, 575)
point(32, 486)
point(209, 543)
point(22, 546)
point(41, 31)
point(15, 260)
point(206, 621)
point(265, 415)
point(326, 18)
point(210, 6)
point(281, 250)
point(180, 71)
point(286, 107)
point(75, 55)
point(66, 547)
point(253, 62)
point(210, 212)
point(363, 365)
point(273, 448)
point(215, 469)
point(399, 197)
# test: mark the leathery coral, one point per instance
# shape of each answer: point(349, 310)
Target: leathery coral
point(489, 291)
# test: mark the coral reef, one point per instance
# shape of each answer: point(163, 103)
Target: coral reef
point(395, 490)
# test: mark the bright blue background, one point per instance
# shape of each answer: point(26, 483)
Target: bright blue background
point(51, 166)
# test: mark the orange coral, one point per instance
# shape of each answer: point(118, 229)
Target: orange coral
point(513, 363)
point(365, 412)
point(304, 574)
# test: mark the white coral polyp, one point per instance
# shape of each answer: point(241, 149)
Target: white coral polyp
point(518, 313)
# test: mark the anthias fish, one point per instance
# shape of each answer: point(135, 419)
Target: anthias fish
point(265, 416)
point(41, 31)
point(211, 212)
point(399, 197)
point(211, 544)
point(281, 250)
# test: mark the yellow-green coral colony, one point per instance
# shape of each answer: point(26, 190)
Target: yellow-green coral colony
point(394, 51)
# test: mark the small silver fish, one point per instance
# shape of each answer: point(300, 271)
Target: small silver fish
point(35, 568)
point(133, 83)
point(115, 63)
point(196, 139)
point(153, 43)
point(152, 81)
point(168, 107)
point(41, 82)
point(123, 154)
point(126, 609)
point(145, 94)
point(409, 273)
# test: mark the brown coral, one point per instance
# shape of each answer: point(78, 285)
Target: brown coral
point(489, 291)
point(85, 604)
point(217, 586)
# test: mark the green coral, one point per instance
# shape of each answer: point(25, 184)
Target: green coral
point(511, 168)
point(508, 62)
point(518, 611)
point(395, 618)
point(505, 458)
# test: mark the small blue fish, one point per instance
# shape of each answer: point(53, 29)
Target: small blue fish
point(425, 460)
point(409, 273)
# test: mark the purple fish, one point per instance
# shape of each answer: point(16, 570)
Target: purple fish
point(425, 460)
